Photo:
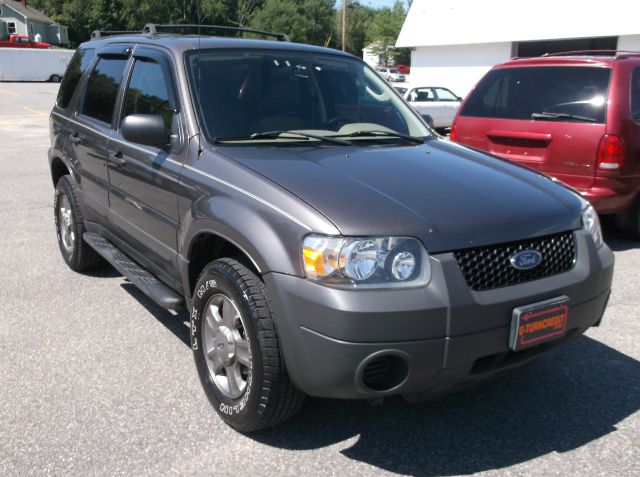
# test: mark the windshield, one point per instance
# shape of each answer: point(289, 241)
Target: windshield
point(553, 93)
point(244, 93)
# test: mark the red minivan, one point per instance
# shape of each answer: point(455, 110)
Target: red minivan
point(574, 116)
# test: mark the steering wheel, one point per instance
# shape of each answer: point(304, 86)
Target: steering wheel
point(335, 123)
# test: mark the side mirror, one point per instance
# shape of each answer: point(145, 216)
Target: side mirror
point(148, 129)
point(459, 98)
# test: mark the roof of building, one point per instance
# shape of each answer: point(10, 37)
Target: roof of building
point(460, 22)
point(29, 12)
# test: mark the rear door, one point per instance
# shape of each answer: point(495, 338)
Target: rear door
point(547, 117)
point(87, 144)
point(144, 179)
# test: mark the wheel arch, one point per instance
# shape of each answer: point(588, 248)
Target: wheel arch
point(207, 246)
point(58, 169)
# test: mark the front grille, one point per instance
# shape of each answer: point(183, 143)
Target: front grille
point(485, 268)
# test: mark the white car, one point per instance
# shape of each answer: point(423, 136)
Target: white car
point(437, 105)
point(391, 74)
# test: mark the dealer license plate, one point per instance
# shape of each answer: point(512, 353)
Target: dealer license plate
point(539, 322)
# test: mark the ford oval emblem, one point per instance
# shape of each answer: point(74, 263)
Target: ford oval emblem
point(526, 260)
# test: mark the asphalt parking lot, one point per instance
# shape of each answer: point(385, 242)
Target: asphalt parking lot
point(97, 380)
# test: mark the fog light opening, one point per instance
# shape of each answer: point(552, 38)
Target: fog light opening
point(383, 371)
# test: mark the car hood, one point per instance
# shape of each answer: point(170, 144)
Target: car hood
point(449, 196)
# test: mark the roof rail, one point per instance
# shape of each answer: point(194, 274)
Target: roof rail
point(592, 52)
point(152, 29)
point(96, 34)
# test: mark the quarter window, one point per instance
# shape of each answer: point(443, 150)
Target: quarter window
point(635, 94)
point(149, 92)
point(102, 88)
point(77, 66)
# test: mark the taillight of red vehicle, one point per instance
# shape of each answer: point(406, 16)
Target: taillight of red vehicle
point(610, 153)
point(453, 134)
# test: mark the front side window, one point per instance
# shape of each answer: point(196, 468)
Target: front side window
point(77, 66)
point(422, 94)
point(102, 88)
point(240, 93)
point(445, 95)
point(553, 93)
point(635, 94)
point(149, 92)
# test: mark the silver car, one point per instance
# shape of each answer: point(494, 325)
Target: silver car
point(391, 75)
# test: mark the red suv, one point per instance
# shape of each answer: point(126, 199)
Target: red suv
point(574, 116)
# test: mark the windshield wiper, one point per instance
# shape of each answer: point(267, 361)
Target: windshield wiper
point(545, 115)
point(281, 135)
point(380, 133)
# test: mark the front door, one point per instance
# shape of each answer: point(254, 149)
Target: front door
point(144, 179)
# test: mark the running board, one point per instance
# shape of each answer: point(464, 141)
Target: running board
point(140, 277)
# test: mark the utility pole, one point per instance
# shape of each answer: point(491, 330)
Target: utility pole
point(344, 25)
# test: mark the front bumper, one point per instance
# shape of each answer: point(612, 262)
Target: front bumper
point(445, 333)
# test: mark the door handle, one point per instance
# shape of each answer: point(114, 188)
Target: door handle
point(117, 158)
point(75, 138)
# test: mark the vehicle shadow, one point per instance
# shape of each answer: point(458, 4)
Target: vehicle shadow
point(565, 400)
point(175, 321)
point(615, 239)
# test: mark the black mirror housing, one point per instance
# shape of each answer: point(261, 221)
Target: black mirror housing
point(147, 129)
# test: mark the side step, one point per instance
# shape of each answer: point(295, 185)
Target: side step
point(145, 281)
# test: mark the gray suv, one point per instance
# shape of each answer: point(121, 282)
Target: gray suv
point(324, 241)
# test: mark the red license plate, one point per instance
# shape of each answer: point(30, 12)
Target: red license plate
point(539, 322)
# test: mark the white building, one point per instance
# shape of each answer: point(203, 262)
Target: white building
point(456, 41)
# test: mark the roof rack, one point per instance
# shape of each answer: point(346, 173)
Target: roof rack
point(591, 52)
point(152, 29)
point(96, 34)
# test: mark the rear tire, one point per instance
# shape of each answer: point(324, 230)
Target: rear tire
point(629, 221)
point(55, 78)
point(237, 351)
point(69, 221)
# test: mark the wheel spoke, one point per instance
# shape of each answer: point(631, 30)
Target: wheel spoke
point(212, 318)
point(243, 355)
point(234, 379)
point(216, 361)
point(228, 313)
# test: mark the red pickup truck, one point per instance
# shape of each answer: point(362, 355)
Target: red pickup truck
point(20, 41)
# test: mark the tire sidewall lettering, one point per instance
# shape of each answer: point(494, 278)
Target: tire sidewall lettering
point(203, 292)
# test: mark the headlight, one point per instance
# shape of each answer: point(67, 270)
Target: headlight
point(591, 223)
point(366, 262)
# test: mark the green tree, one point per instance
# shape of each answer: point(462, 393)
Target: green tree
point(305, 21)
point(383, 32)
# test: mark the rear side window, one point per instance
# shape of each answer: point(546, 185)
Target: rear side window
point(149, 92)
point(635, 94)
point(77, 66)
point(102, 88)
point(558, 91)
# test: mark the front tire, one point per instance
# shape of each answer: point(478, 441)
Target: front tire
point(237, 351)
point(69, 221)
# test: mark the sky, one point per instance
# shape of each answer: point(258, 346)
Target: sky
point(379, 3)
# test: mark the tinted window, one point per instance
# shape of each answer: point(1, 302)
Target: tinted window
point(635, 94)
point(244, 92)
point(77, 66)
point(517, 93)
point(102, 88)
point(149, 92)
